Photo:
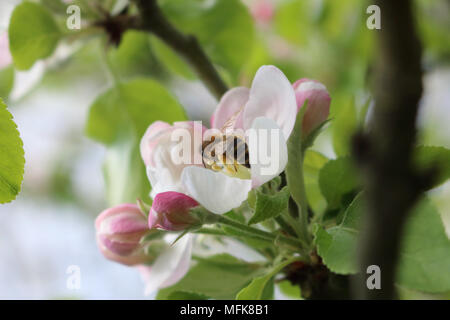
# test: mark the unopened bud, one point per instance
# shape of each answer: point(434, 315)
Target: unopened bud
point(318, 106)
point(171, 211)
point(119, 231)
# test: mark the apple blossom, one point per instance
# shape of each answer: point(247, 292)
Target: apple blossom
point(170, 266)
point(159, 151)
point(318, 106)
point(265, 110)
point(262, 10)
point(119, 231)
point(170, 211)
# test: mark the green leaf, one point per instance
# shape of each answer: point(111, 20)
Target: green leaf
point(269, 290)
point(337, 245)
point(425, 255)
point(269, 206)
point(33, 34)
point(294, 167)
point(290, 290)
point(426, 157)
point(312, 164)
point(12, 159)
point(170, 59)
point(119, 118)
point(344, 124)
point(337, 179)
point(124, 173)
point(250, 240)
point(255, 290)
point(308, 141)
point(131, 107)
point(133, 57)
point(219, 277)
point(223, 27)
point(292, 21)
point(6, 81)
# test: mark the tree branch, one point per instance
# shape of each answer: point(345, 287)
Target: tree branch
point(153, 20)
point(384, 153)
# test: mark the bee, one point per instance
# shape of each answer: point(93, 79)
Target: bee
point(227, 153)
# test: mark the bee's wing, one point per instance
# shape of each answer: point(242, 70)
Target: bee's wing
point(229, 124)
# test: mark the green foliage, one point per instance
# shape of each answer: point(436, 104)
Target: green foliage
point(133, 57)
point(223, 27)
point(344, 124)
point(238, 216)
point(427, 157)
point(290, 290)
point(119, 118)
point(255, 290)
point(6, 81)
point(124, 173)
point(433, 26)
point(294, 167)
point(337, 179)
point(337, 245)
point(33, 34)
point(269, 206)
point(218, 277)
point(291, 21)
point(347, 118)
point(170, 59)
point(424, 253)
point(312, 164)
point(131, 106)
point(12, 159)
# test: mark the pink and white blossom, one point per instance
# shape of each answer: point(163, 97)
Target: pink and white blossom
point(170, 211)
point(170, 266)
point(160, 153)
point(119, 231)
point(318, 106)
point(269, 106)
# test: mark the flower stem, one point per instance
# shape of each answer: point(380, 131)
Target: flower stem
point(154, 21)
point(260, 233)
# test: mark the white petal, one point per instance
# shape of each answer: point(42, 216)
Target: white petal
point(267, 150)
point(214, 190)
point(162, 180)
point(271, 96)
point(230, 104)
point(170, 266)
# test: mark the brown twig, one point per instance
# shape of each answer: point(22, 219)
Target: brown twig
point(153, 20)
point(384, 153)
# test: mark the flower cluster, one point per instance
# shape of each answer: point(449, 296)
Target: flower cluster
point(213, 183)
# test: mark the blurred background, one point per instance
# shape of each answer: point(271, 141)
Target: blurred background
point(50, 226)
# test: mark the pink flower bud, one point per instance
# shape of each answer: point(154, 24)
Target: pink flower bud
point(318, 107)
point(119, 231)
point(262, 11)
point(170, 211)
